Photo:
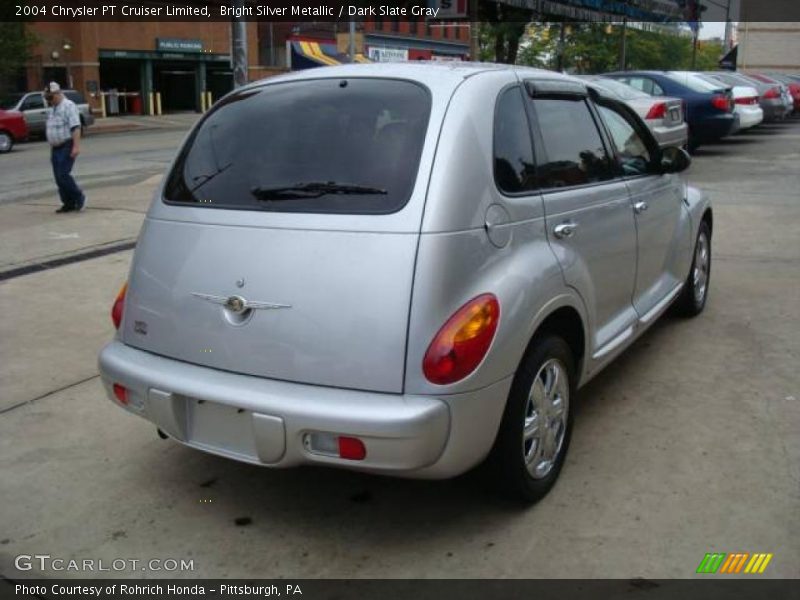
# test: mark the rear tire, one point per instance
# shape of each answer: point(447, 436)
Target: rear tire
point(534, 434)
point(693, 298)
point(6, 142)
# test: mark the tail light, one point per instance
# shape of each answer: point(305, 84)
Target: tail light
point(463, 341)
point(720, 102)
point(119, 304)
point(747, 101)
point(657, 111)
point(772, 93)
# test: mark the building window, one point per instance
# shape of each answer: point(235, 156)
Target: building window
point(395, 24)
point(427, 28)
point(446, 28)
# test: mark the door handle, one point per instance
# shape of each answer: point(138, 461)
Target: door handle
point(565, 230)
point(640, 207)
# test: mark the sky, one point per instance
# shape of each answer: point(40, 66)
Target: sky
point(712, 29)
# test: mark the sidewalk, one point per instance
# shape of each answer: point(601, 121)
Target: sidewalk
point(141, 123)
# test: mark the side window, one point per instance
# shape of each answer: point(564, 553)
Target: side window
point(574, 150)
point(657, 89)
point(646, 85)
point(32, 102)
point(632, 150)
point(513, 150)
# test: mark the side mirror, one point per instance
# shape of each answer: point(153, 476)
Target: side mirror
point(675, 160)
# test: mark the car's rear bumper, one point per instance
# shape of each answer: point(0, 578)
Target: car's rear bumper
point(773, 109)
point(712, 128)
point(749, 116)
point(265, 421)
point(677, 135)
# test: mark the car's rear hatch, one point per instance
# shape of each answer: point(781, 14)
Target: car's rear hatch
point(284, 245)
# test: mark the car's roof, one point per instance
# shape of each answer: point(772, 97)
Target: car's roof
point(449, 73)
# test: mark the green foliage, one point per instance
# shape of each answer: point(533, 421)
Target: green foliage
point(595, 48)
point(16, 43)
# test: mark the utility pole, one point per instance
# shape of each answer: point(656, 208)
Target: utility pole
point(561, 44)
point(694, 46)
point(623, 44)
point(239, 46)
point(352, 48)
point(474, 32)
point(728, 27)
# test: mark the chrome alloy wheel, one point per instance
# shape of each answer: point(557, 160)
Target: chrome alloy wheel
point(701, 263)
point(5, 142)
point(546, 413)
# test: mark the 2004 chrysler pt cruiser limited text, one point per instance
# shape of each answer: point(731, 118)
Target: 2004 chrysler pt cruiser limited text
point(402, 269)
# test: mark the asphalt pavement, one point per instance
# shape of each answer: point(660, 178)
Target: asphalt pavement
point(686, 445)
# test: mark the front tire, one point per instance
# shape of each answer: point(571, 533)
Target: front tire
point(693, 298)
point(535, 431)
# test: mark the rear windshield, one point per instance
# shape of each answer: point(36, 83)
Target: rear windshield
point(694, 83)
point(76, 97)
point(10, 101)
point(324, 146)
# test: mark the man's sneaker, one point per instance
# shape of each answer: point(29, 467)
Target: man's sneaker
point(64, 209)
point(81, 206)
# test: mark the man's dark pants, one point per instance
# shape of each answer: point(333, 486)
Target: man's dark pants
point(71, 195)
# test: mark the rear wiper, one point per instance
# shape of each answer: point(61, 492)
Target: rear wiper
point(312, 189)
point(203, 179)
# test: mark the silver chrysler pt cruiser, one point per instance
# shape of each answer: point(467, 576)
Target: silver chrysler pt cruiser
point(402, 269)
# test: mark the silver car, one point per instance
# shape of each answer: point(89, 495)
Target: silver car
point(403, 269)
point(34, 108)
point(664, 115)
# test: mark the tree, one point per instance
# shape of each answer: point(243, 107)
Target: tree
point(502, 27)
point(16, 43)
point(595, 48)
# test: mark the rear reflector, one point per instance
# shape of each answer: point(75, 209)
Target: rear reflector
point(330, 444)
point(657, 111)
point(772, 93)
point(352, 448)
point(121, 393)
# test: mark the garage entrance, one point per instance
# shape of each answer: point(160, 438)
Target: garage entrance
point(177, 83)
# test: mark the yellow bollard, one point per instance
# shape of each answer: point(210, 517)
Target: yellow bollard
point(158, 103)
point(150, 104)
point(103, 105)
point(210, 100)
point(202, 102)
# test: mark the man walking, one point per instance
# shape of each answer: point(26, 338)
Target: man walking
point(64, 137)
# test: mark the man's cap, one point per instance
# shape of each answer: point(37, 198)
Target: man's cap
point(52, 88)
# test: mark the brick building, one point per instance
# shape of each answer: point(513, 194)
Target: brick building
point(178, 59)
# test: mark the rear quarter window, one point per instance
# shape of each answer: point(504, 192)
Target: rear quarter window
point(358, 132)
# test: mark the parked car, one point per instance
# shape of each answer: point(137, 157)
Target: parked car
point(364, 266)
point(34, 107)
point(12, 129)
point(793, 84)
point(769, 99)
point(664, 115)
point(786, 95)
point(747, 110)
point(708, 108)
